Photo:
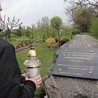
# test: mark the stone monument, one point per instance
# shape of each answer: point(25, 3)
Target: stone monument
point(74, 73)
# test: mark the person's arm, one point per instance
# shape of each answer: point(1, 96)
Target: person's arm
point(28, 90)
point(29, 86)
point(21, 90)
point(10, 75)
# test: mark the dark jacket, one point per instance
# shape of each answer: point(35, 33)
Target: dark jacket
point(10, 75)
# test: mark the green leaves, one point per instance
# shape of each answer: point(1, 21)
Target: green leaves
point(56, 22)
point(94, 26)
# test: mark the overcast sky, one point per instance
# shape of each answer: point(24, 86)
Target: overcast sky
point(30, 11)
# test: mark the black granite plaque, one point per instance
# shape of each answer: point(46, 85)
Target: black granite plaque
point(77, 62)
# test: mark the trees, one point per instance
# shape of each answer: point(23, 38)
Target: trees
point(7, 25)
point(81, 12)
point(89, 3)
point(82, 17)
point(56, 22)
point(45, 26)
point(94, 26)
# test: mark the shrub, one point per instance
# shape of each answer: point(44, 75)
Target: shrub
point(94, 26)
point(75, 32)
point(17, 32)
point(50, 41)
point(56, 39)
point(63, 41)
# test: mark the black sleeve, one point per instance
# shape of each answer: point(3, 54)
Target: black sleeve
point(17, 89)
point(10, 75)
point(28, 89)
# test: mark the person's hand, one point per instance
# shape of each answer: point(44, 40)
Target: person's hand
point(23, 77)
point(37, 80)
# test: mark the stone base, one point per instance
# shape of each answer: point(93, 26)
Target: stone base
point(67, 87)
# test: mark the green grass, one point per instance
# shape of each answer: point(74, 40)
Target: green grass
point(21, 57)
point(45, 55)
point(16, 40)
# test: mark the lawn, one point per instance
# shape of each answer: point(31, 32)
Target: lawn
point(45, 55)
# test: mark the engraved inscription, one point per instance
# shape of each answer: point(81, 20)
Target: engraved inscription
point(82, 63)
point(90, 69)
point(78, 56)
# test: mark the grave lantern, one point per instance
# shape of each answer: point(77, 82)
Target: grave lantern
point(32, 63)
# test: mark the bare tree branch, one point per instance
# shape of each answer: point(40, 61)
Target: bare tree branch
point(7, 24)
